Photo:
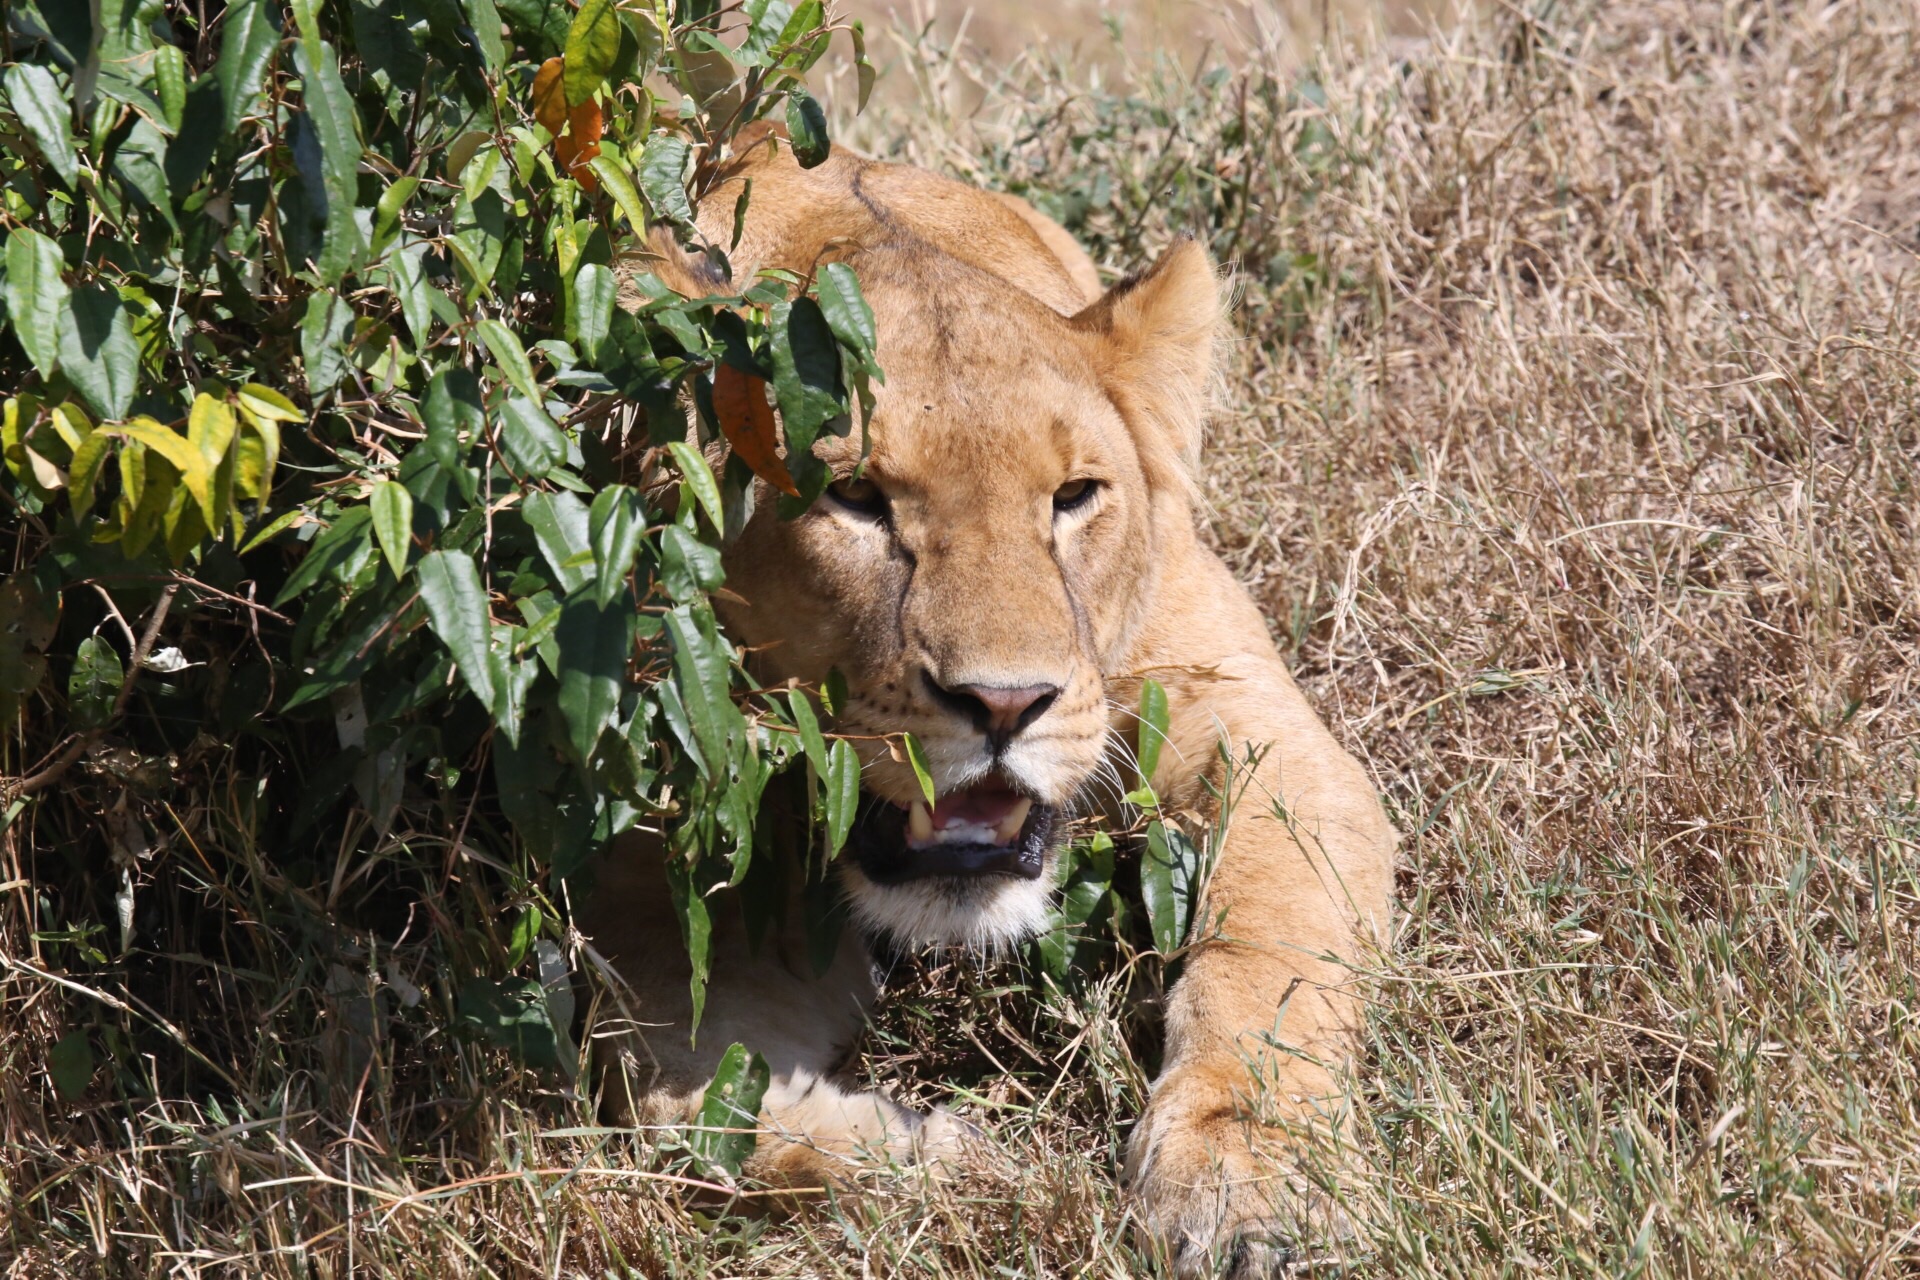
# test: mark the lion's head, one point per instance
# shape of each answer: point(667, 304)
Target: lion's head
point(980, 582)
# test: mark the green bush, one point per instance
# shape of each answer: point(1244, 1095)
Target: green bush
point(364, 489)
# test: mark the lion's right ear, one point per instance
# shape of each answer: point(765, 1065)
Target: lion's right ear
point(1154, 337)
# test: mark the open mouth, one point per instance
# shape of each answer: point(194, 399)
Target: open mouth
point(986, 830)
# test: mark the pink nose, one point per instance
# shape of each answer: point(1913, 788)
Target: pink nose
point(999, 711)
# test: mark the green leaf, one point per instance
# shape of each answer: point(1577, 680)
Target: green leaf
point(70, 1064)
point(615, 524)
point(663, 170)
point(917, 757)
point(456, 603)
point(1169, 884)
point(812, 742)
point(845, 308)
point(590, 307)
point(140, 162)
point(696, 931)
point(408, 280)
point(392, 507)
point(702, 675)
point(337, 549)
point(529, 438)
point(688, 566)
point(330, 108)
point(699, 477)
point(43, 112)
point(842, 781)
point(26, 628)
point(97, 350)
point(594, 644)
point(726, 1130)
point(479, 236)
point(620, 187)
point(806, 372)
point(526, 931)
point(1085, 890)
point(484, 21)
point(593, 43)
point(36, 295)
point(559, 524)
point(94, 684)
point(509, 355)
point(170, 84)
point(197, 136)
point(863, 68)
point(248, 34)
point(541, 23)
point(387, 210)
point(512, 681)
point(1153, 728)
point(807, 128)
point(512, 1015)
point(272, 529)
point(323, 341)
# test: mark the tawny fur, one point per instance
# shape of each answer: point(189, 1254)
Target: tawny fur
point(1006, 377)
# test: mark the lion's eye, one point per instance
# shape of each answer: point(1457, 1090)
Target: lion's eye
point(1074, 494)
point(859, 494)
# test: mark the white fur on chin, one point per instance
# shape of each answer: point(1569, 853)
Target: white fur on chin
point(992, 914)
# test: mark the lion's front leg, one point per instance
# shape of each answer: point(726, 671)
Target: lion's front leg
point(813, 1132)
point(1212, 1164)
point(1266, 1008)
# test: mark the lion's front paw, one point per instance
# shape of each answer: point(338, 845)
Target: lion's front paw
point(949, 1143)
point(1216, 1193)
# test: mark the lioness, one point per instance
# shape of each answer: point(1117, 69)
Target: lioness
point(1019, 551)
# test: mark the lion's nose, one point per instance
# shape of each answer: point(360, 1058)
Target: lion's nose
point(999, 711)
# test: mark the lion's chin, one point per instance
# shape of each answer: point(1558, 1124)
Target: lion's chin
point(985, 913)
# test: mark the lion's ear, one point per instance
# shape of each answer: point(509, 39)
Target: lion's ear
point(1155, 334)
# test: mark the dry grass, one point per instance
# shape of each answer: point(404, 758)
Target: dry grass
point(1573, 447)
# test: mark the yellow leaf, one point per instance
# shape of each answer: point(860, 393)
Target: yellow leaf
point(186, 459)
point(87, 461)
point(549, 97)
point(268, 404)
point(133, 473)
point(72, 424)
point(210, 427)
point(249, 468)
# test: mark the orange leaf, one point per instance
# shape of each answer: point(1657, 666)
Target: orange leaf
point(584, 123)
point(573, 158)
point(746, 420)
point(550, 97)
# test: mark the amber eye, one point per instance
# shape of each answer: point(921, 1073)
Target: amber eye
point(857, 493)
point(1074, 494)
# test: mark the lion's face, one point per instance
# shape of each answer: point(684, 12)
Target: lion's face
point(979, 582)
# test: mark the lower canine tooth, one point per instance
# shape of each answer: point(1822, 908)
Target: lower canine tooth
point(1009, 829)
point(919, 822)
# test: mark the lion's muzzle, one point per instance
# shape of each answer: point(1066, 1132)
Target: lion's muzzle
point(985, 830)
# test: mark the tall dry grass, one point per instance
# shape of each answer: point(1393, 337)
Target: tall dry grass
point(1572, 444)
